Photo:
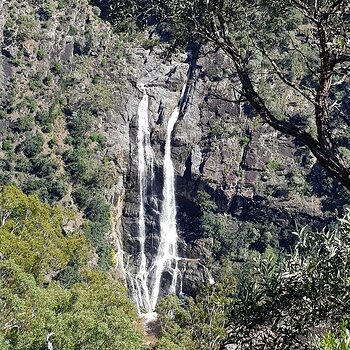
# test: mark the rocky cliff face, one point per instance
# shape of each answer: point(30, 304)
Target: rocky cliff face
point(254, 174)
point(66, 59)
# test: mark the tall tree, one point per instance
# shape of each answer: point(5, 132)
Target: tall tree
point(292, 62)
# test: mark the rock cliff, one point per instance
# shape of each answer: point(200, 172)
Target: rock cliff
point(59, 60)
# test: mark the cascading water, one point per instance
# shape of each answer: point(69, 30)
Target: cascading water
point(146, 284)
point(146, 175)
point(167, 250)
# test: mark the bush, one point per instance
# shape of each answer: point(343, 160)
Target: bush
point(45, 118)
point(7, 145)
point(93, 312)
point(284, 303)
point(22, 164)
point(99, 211)
point(77, 163)
point(99, 138)
point(338, 340)
point(198, 323)
point(214, 225)
point(23, 124)
point(80, 124)
point(42, 166)
point(33, 145)
point(40, 54)
point(57, 69)
point(32, 104)
point(82, 195)
point(57, 188)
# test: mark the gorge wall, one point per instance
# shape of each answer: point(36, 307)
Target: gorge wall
point(65, 61)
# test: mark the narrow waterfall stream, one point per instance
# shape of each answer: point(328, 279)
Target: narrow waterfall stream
point(167, 250)
point(146, 175)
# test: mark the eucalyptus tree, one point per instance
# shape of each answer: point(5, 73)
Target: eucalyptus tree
point(285, 305)
point(292, 62)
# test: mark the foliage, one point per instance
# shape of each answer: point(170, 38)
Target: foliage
point(281, 49)
point(273, 165)
point(46, 101)
point(213, 225)
point(122, 14)
point(237, 243)
point(23, 124)
point(43, 166)
point(87, 312)
point(339, 341)
point(284, 302)
point(26, 223)
point(98, 98)
point(33, 145)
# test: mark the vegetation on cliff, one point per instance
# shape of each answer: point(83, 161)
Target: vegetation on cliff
point(53, 102)
point(301, 48)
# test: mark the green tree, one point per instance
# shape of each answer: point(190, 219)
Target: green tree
point(47, 292)
point(214, 225)
point(338, 340)
point(90, 315)
point(281, 306)
point(31, 234)
point(33, 145)
point(299, 48)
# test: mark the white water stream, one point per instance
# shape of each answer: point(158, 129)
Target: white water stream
point(146, 175)
point(147, 284)
point(167, 251)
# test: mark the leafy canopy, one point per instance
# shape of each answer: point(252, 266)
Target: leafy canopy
point(31, 234)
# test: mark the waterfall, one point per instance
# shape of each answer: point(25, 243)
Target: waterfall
point(146, 284)
point(167, 250)
point(146, 175)
point(211, 279)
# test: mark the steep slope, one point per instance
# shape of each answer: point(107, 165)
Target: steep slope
point(69, 100)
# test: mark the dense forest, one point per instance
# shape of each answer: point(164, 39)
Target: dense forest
point(258, 159)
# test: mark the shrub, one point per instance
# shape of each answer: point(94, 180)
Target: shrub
point(338, 340)
point(80, 124)
point(57, 69)
point(22, 164)
point(77, 163)
point(32, 104)
point(33, 145)
point(7, 145)
point(47, 288)
point(99, 138)
point(57, 188)
point(284, 303)
point(23, 124)
point(40, 54)
point(42, 166)
point(45, 118)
